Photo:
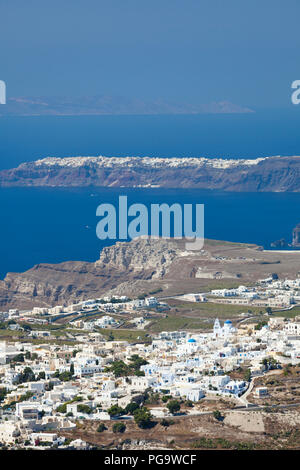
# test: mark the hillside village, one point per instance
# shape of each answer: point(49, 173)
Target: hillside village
point(269, 293)
point(48, 387)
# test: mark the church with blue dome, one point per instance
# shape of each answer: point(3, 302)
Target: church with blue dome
point(223, 331)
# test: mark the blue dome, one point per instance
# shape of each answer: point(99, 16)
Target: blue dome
point(228, 322)
point(192, 340)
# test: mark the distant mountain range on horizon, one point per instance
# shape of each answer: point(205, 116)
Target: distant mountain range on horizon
point(111, 105)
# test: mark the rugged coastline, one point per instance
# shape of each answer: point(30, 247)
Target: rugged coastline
point(139, 266)
point(269, 174)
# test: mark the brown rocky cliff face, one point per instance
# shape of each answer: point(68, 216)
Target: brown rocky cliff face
point(271, 174)
point(140, 255)
point(64, 283)
point(132, 268)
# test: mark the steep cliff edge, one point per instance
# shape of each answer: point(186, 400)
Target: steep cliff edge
point(263, 174)
point(143, 266)
point(53, 284)
point(141, 256)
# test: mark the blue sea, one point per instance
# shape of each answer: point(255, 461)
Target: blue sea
point(53, 225)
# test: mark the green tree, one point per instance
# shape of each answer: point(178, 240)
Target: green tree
point(260, 324)
point(84, 409)
point(3, 393)
point(137, 361)
point(166, 422)
point(217, 415)
point(115, 410)
point(65, 376)
point(101, 428)
point(119, 369)
point(110, 337)
point(142, 417)
point(173, 406)
point(153, 399)
point(19, 358)
point(131, 407)
point(26, 327)
point(142, 296)
point(119, 427)
point(62, 408)
point(26, 376)
point(247, 375)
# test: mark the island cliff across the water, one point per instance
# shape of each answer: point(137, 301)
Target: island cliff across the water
point(273, 174)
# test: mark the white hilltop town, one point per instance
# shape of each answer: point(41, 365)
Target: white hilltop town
point(155, 162)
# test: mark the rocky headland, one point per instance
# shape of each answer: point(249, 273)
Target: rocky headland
point(275, 174)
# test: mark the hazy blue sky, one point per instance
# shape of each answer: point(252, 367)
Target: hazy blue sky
point(247, 52)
